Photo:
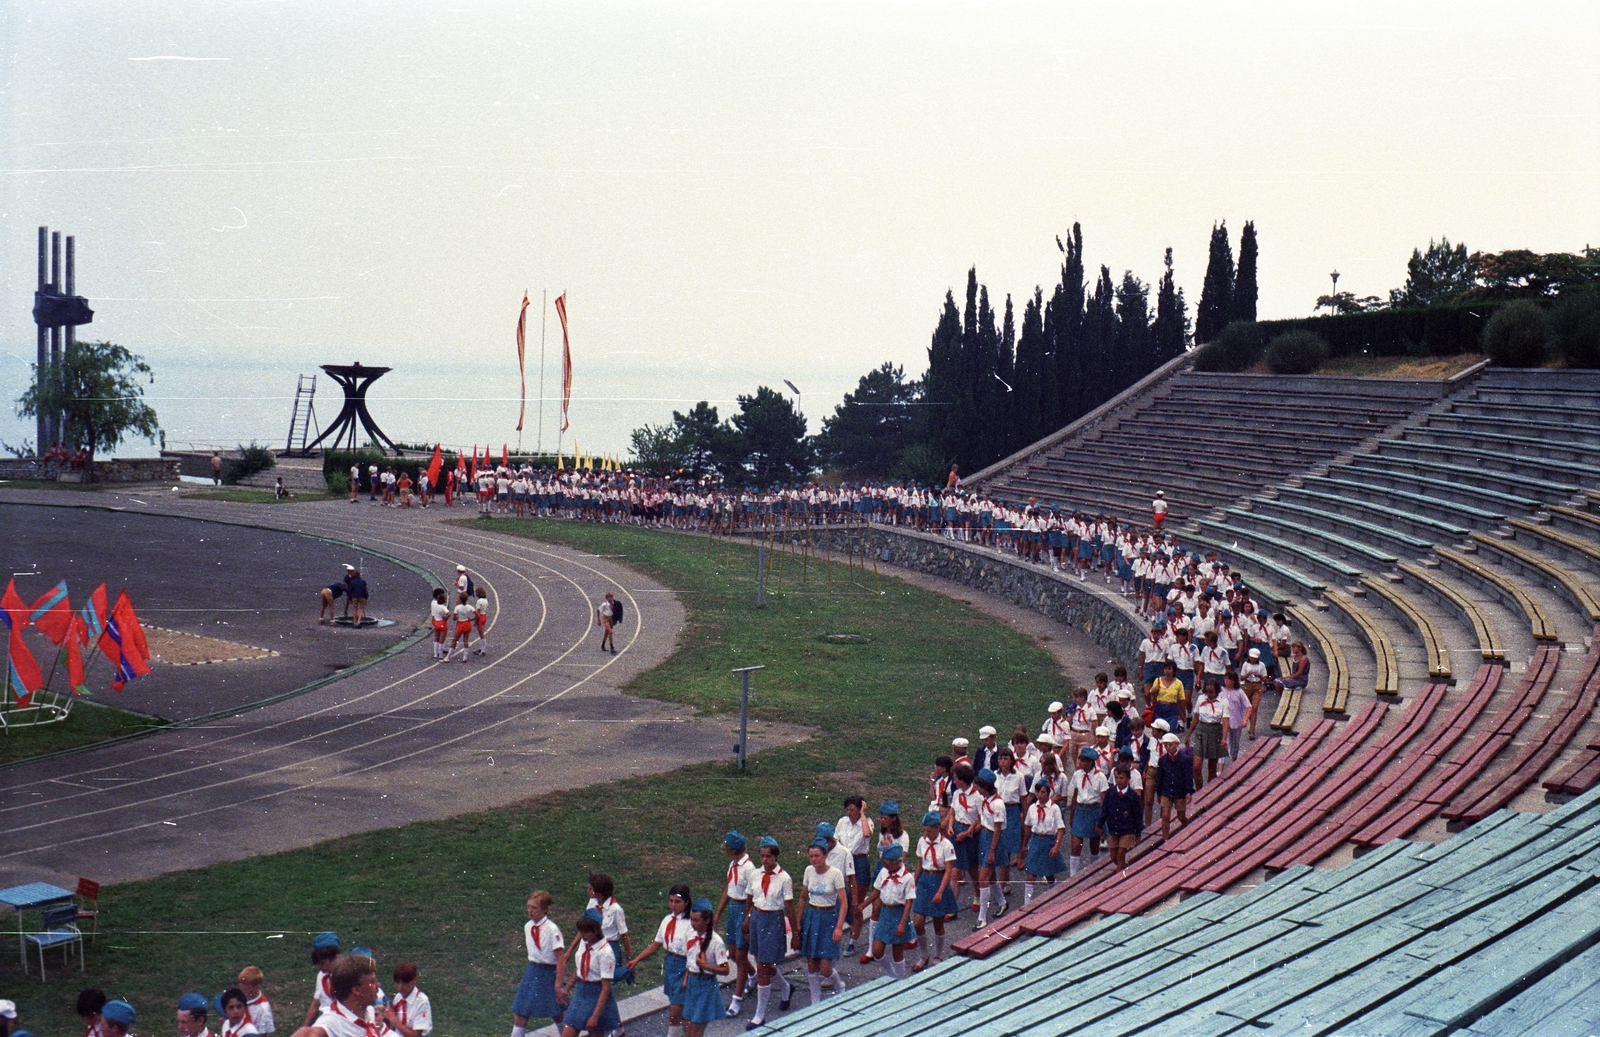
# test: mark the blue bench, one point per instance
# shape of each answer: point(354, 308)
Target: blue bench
point(1355, 547)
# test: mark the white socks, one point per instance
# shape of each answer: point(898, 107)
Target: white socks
point(814, 980)
point(938, 946)
point(675, 1031)
point(838, 981)
point(763, 995)
point(983, 906)
point(519, 1031)
point(891, 966)
point(1073, 863)
point(1027, 893)
point(788, 990)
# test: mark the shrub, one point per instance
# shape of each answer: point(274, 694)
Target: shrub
point(1517, 335)
point(1575, 327)
point(1238, 347)
point(252, 459)
point(1296, 352)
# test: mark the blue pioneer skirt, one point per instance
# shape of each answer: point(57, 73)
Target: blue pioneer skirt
point(702, 1002)
point(1040, 860)
point(888, 920)
point(767, 944)
point(985, 841)
point(672, 978)
point(927, 885)
point(735, 938)
point(1086, 821)
point(816, 933)
point(536, 996)
point(584, 998)
point(1010, 835)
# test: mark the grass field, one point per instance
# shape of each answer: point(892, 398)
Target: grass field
point(88, 722)
point(246, 495)
point(448, 895)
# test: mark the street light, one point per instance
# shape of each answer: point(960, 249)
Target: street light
point(799, 404)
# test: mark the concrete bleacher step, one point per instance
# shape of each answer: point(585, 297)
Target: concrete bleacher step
point(1322, 540)
point(1543, 448)
point(1509, 591)
point(1566, 472)
point(1426, 627)
point(1385, 660)
point(1569, 431)
point(1442, 481)
point(1344, 524)
point(1378, 487)
point(1267, 545)
point(1529, 490)
point(1320, 492)
point(1575, 587)
point(1557, 542)
point(1490, 644)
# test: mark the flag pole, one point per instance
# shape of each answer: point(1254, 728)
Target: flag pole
point(544, 315)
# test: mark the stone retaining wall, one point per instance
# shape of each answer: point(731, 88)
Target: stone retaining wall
point(1065, 600)
point(117, 470)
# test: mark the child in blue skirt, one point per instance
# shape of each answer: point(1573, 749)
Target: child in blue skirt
point(613, 922)
point(672, 935)
point(1045, 829)
point(822, 895)
point(591, 1006)
point(892, 891)
point(1085, 791)
point(936, 891)
point(708, 960)
point(536, 996)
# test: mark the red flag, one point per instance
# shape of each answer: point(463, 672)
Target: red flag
point(473, 473)
point(124, 644)
point(505, 454)
point(75, 676)
point(566, 360)
point(22, 670)
point(435, 465)
point(128, 622)
point(92, 617)
point(522, 370)
point(52, 614)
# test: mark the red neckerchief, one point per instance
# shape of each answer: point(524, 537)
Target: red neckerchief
point(1041, 807)
point(894, 876)
point(230, 1030)
point(534, 932)
point(400, 1003)
point(372, 1029)
point(583, 962)
point(672, 925)
point(733, 869)
point(766, 877)
point(327, 985)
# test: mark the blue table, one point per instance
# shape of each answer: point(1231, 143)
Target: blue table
point(29, 897)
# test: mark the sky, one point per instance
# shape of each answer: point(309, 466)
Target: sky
point(729, 194)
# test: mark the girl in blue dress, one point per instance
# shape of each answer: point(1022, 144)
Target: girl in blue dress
point(708, 961)
point(591, 1005)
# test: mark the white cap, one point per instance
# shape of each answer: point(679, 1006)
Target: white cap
point(347, 565)
point(1161, 493)
point(461, 568)
point(986, 731)
point(1160, 725)
point(1255, 653)
point(1049, 739)
point(1103, 730)
point(8, 1010)
point(1125, 695)
point(959, 743)
point(1055, 707)
point(1169, 739)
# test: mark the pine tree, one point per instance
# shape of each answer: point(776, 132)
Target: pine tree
point(1216, 303)
point(1244, 282)
point(1170, 332)
point(941, 385)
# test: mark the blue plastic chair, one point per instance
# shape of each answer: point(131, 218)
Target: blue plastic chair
point(60, 929)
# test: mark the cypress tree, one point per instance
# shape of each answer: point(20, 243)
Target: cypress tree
point(1216, 302)
point(941, 385)
point(1065, 327)
point(1244, 282)
point(1007, 370)
point(1133, 333)
point(1030, 380)
point(986, 431)
point(1170, 332)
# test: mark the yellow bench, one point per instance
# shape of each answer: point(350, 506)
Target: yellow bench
point(1580, 591)
point(1538, 620)
point(1488, 637)
point(1337, 697)
point(1427, 629)
point(1388, 679)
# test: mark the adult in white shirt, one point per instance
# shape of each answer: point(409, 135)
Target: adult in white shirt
point(355, 989)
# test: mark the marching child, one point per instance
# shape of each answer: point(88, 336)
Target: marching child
point(673, 936)
point(708, 959)
point(1174, 781)
point(936, 892)
point(547, 954)
point(991, 852)
point(892, 890)
point(771, 904)
point(964, 828)
point(736, 899)
point(591, 1005)
point(1084, 793)
point(1044, 829)
point(481, 618)
point(465, 613)
point(439, 615)
point(602, 898)
point(1124, 816)
point(822, 893)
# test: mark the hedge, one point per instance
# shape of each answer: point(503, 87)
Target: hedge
point(1433, 331)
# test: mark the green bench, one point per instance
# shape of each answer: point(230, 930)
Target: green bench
point(1539, 448)
point(1334, 565)
point(1406, 540)
point(1540, 465)
point(1244, 560)
point(1355, 547)
point(1388, 510)
point(1499, 498)
point(1541, 488)
point(1387, 681)
point(1465, 511)
point(1427, 629)
point(1489, 643)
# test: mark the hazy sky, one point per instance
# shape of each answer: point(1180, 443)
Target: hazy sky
point(731, 194)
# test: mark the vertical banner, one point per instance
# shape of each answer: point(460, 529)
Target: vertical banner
point(522, 370)
point(566, 360)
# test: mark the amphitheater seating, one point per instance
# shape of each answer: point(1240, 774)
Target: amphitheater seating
point(1387, 681)
point(1467, 936)
point(1337, 697)
point(1540, 624)
point(1432, 640)
point(1489, 642)
point(1575, 587)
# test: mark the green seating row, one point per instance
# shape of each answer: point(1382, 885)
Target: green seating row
point(1387, 681)
point(1489, 643)
point(1432, 640)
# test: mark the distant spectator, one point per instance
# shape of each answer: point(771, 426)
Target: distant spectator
point(216, 468)
point(356, 590)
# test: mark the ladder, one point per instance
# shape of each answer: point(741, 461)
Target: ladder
point(304, 413)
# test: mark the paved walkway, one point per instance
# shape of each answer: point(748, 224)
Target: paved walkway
point(406, 739)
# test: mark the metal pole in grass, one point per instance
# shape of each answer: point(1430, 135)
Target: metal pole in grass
point(744, 708)
point(761, 576)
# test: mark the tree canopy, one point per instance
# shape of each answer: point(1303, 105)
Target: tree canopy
point(98, 389)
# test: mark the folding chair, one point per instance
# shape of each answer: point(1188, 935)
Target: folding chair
point(89, 905)
point(60, 930)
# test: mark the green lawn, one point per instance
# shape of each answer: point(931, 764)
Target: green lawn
point(247, 495)
point(448, 895)
point(88, 722)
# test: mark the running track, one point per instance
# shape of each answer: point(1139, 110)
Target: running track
point(402, 740)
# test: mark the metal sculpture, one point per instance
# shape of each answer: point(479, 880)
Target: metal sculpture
point(58, 312)
point(355, 380)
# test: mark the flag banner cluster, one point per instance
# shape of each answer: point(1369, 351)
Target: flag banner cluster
point(116, 632)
